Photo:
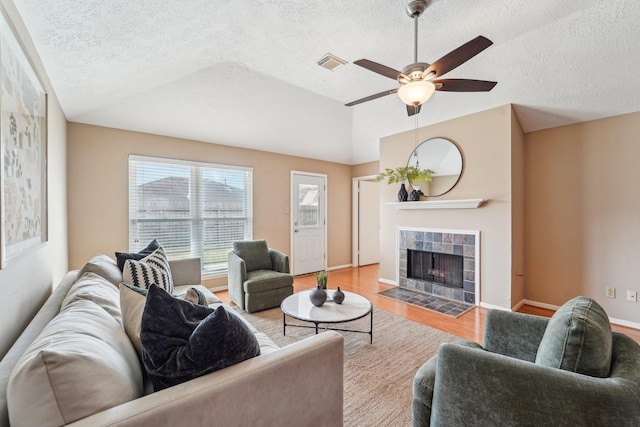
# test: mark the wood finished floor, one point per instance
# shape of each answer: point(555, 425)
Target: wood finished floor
point(364, 281)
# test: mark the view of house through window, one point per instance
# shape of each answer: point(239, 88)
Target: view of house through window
point(193, 209)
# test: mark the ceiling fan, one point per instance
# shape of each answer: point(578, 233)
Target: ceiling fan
point(418, 80)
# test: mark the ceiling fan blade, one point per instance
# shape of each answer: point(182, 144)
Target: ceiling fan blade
point(378, 68)
point(372, 97)
point(464, 85)
point(458, 56)
point(413, 109)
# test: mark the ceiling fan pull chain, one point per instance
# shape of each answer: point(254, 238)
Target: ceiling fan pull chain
point(415, 38)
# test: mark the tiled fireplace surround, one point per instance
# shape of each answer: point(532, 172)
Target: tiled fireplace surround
point(457, 242)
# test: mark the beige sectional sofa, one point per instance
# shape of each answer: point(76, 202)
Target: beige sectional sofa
point(75, 365)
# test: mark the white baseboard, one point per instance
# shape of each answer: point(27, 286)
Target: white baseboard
point(388, 282)
point(339, 267)
point(540, 304)
point(493, 307)
point(517, 306)
point(219, 288)
point(613, 321)
point(626, 323)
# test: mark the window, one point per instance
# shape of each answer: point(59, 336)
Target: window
point(308, 205)
point(192, 209)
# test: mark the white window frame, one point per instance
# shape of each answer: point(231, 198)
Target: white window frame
point(197, 214)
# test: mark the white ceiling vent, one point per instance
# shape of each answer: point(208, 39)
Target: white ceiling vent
point(331, 62)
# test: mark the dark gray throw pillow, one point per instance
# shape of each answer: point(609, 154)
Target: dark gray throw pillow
point(122, 257)
point(182, 341)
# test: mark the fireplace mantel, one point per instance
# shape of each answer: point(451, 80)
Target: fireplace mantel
point(439, 204)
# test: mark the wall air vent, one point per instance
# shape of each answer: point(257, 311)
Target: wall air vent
point(331, 62)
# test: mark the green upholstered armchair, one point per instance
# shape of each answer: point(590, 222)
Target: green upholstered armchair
point(570, 370)
point(258, 275)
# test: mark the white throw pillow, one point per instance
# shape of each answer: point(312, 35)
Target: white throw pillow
point(132, 305)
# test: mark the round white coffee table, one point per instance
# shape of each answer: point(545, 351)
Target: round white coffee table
point(298, 306)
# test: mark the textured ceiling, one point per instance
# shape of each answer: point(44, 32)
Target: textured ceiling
point(244, 73)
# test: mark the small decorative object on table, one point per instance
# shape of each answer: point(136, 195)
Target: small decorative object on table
point(338, 296)
point(318, 296)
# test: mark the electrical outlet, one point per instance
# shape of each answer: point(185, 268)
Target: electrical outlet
point(611, 292)
point(632, 296)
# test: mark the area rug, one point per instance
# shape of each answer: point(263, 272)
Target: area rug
point(377, 377)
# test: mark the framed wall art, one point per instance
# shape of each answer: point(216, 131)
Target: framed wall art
point(23, 157)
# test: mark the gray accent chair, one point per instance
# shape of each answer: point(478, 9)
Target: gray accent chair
point(258, 276)
point(570, 370)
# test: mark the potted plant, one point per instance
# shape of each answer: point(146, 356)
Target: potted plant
point(319, 295)
point(321, 279)
point(401, 175)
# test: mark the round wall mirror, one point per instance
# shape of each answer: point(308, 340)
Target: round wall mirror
point(444, 158)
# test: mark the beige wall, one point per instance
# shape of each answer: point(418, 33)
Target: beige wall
point(27, 282)
point(517, 211)
point(365, 169)
point(98, 185)
point(582, 213)
point(485, 141)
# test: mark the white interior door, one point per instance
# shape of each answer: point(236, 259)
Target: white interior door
point(368, 222)
point(308, 222)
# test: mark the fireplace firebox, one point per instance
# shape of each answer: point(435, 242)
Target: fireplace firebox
point(430, 274)
point(435, 267)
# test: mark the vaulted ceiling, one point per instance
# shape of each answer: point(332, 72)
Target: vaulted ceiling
point(244, 73)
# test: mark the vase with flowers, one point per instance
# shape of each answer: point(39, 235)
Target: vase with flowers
point(404, 174)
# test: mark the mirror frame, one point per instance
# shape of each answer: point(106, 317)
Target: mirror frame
point(423, 145)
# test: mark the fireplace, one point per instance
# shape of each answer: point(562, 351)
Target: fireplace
point(445, 263)
point(435, 267)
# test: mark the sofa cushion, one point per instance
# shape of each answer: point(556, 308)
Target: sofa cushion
point(255, 254)
point(97, 289)
point(122, 257)
point(152, 269)
point(132, 300)
point(578, 339)
point(183, 341)
point(82, 363)
point(103, 266)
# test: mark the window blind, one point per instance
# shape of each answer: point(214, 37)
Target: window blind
point(193, 209)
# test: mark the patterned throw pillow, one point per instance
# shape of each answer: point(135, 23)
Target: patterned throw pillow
point(153, 269)
point(122, 257)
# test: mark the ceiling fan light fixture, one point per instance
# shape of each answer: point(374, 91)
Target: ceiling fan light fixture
point(416, 92)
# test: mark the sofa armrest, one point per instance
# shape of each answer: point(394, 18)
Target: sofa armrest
point(513, 334)
point(48, 311)
point(236, 275)
point(423, 386)
point(299, 385)
point(236, 267)
point(186, 271)
point(476, 387)
point(279, 261)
